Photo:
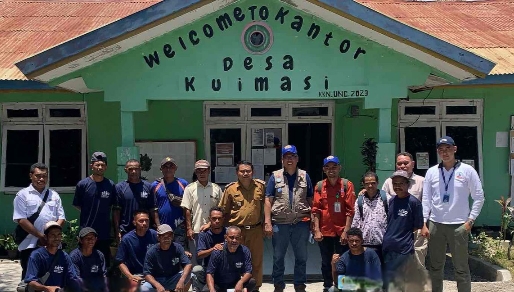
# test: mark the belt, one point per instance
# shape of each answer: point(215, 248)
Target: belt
point(249, 226)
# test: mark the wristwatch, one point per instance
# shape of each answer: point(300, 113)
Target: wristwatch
point(471, 222)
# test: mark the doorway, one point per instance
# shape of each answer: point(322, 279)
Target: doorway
point(313, 141)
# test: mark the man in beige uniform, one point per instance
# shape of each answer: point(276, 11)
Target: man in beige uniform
point(405, 162)
point(243, 206)
point(199, 197)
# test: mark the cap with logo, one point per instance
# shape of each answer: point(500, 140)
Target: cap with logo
point(85, 231)
point(51, 224)
point(400, 173)
point(164, 228)
point(329, 159)
point(168, 160)
point(289, 149)
point(99, 156)
point(445, 140)
point(202, 164)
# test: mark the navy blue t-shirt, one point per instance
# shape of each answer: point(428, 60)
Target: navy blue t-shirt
point(95, 200)
point(165, 263)
point(227, 267)
point(366, 265)
point(62, 274)
point(405, 215)
point(132, 197)
point(91, 269)
point(132, 249)
point(168, 214)
point(207, 240)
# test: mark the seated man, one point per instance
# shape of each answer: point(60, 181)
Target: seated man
point(90, 263)
point(50, 268)
point(208, 241)
point(132, 251)
point(163, 262)
point(230, 268)
point(359, 263)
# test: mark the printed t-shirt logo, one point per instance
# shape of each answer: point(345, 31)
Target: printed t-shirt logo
point(94, 269)
point(58, 269)
point(144, 194)
point(105, 195)
point(402, 212)
point(239, 265)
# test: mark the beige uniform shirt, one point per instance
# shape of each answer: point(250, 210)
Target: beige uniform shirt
point(200, 200)
point(415, 187)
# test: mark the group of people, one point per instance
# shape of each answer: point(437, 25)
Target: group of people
point(172, 234)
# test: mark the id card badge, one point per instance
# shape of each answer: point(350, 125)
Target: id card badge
point(337, 207)
point(446, 198)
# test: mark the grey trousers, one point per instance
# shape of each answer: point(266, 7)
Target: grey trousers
point(456, 236)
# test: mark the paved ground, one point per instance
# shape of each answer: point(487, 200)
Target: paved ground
point(10, 272)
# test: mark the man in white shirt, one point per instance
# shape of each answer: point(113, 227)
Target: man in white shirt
point(27, 202)
point(447, 216)
point(199, 197)
point(405, 162)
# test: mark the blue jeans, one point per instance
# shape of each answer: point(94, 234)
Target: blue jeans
point(393, 264)
point(298, 235)
point(168, 283)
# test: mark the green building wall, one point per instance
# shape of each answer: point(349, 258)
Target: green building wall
point(183, 120)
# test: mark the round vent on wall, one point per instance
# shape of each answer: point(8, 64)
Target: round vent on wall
point(257, 38)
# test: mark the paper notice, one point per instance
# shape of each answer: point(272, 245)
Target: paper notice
point(225, 160)
point(502, 139)
point(258, 156)
point(270, 156)
point(257, 137)
point(422, 161)
point(270, 139)
point(225, 174)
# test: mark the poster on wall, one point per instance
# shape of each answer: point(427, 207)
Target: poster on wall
point(270, 156)
point(257, 156)
point(224, 174)
point(224, 154)
point(422, 161)
point(257, 137)
point(270, 139)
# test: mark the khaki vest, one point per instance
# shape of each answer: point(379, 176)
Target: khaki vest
point(281, 211)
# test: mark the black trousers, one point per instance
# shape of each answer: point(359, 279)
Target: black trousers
point(249, 285)
point(329, 246)
point(104, 246)
point(24, 260)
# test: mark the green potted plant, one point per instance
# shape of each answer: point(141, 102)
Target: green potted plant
point(7, 242)
point(69, 235)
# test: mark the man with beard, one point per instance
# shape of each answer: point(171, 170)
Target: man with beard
point(134, 194)
point(50, 268)
point(132, 251)
point(288, 205)
point(208, 242)
point(243, 206)
point(95, 196)
point(332, 210)
point(230, 268)
point(163, 264)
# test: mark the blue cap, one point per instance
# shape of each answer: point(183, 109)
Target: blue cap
point(445, 140)
point(289, 149)
point(331, 158)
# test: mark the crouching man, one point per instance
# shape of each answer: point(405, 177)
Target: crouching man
point(230, 268)
point(50, 268)
point(163, 263)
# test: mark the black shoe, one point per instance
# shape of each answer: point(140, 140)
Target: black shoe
point(278, 289)
point(300, 288)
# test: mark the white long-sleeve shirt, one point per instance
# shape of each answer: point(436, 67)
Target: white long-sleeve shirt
point(464, 182)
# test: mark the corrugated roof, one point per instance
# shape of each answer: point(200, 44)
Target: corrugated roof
point(485, 28)
point(29, 27)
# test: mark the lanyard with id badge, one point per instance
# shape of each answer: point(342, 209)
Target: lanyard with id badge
point(446, 196)
point(337, 204)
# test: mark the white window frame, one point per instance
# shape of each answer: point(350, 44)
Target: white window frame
point(467, 102)
point(430, 103)
point(22, 106)
point(282, 107)
point(49, 128)
point(6, 128)
point(328, 117)
point(476, 124)
point(44, 123)
point(422, 124)
point(209, 106)
point(64, 120)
